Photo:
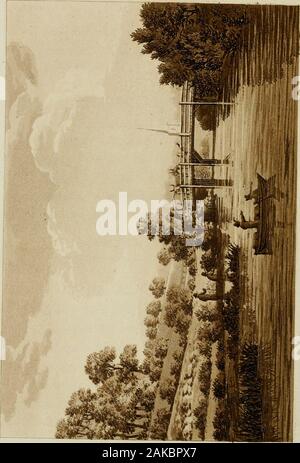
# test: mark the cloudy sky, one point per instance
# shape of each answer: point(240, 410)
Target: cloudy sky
point(78, 91)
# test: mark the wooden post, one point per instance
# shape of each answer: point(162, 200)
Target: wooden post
point(192, 103)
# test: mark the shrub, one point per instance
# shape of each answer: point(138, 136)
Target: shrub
point(204, 377)
point(219, 387)
point(250, 423)
point(221, 424)
point(204, 348)
point(200, 413)
point(167, 390)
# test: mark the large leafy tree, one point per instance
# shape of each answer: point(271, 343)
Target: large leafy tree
point(118, 408)
point(102, 365)
point(191, 41)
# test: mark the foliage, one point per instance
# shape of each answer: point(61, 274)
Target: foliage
point(167, 390)
point(159, 427)
point(204, 348)
point(221, 424)
point(151, 332)
point(209, 260)
point(204, 376)
point(212, 238)
point(164, 256)
point(219, 386)
point(150, 321)
point(191, 41)
point(112, 410)
point(206, 313)
point(220, 357)
point(102, 365)
point(157, 287)
point(161, 347)
point(181, 299)
point(153, 308)
point(200, 413)
point(250, 424)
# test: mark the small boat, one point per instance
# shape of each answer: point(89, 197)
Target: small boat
point(266, 215)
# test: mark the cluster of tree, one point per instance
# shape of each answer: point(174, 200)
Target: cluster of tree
point(220, 356)
point(168, 387)
point(154, 353)
point(167, 390)
point(176, 366)
point(207, 313)
point(159, 426)
point(151, 323)
point(209, 262)
point(174, 238)
point(212, 238)
point(219, 386)
point(231, 306)
point(233, 263)
point(200, 413)
point(177, 250)
point(157, 287)
point(204, 347)
point(204, 377)
point(210, 258)
point(210, 328)
point(120, 404)
point(178, 310)
point(191, 41)
point(153, 309)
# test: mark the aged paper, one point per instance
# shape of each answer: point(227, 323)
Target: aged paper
point(149, 224)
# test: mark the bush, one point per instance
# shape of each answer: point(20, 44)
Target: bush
point(191, 284)
point(167, 390)
point(204, 377)
point(153, 308)
point(161, 347)
point(206, 314)
point(250, 423)
point(175, 369)
point(220, 359)
point(200, 413)
point(204, 348)
point(193, 269)
point(159, 427)
point(151, 333)
point(221, 424)
point(209, 260)
point(219, 387)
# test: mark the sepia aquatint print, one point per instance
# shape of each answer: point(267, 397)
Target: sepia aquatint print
point(149, 221)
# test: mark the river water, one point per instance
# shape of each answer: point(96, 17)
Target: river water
point(260, 133)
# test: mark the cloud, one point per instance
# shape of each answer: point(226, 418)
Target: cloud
point(23, 373)
point(21, 71)
point(27, 243)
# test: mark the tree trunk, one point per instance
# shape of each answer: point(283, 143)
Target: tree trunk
point(207, 297)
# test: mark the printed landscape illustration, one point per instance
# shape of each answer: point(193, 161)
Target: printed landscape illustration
point(195, 342)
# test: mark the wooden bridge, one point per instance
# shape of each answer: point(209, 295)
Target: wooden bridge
point(189, 159)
